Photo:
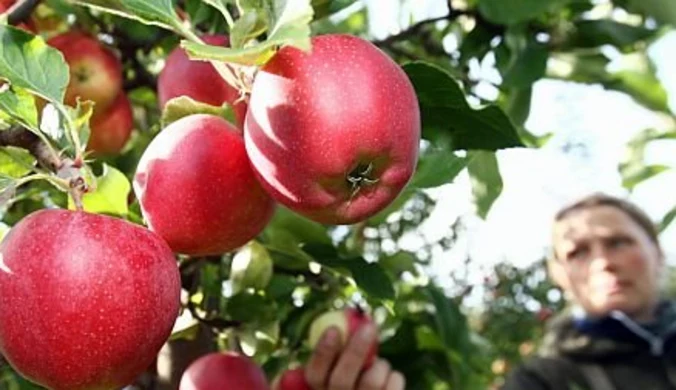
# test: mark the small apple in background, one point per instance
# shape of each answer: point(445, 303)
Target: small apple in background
point(95, 71)
point(111, 129)
point(87, 300)
point(196, 188)
point(333, 134)
point(347, 321)
point(223, 371)
point(199, 80)
point(292, 379)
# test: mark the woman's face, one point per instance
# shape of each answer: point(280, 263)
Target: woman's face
point(606, 261)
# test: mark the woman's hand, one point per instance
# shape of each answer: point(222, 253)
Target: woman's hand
point(331, 368)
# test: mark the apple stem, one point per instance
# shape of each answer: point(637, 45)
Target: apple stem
point(360, 177)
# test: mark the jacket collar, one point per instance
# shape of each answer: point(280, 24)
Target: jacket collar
point(575, 333)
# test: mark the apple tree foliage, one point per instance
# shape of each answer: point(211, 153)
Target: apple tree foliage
point(297, 269)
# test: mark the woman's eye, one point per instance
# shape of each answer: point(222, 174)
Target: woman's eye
point(577, 254)
point(617, 242)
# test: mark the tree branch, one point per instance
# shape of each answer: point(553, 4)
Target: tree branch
point(21, 11)
point(22, 138)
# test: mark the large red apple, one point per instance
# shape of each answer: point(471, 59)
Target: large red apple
point(198, 79)
point(197, 189)
point(223, 371)
point(347, 321)
point(111, 129)
point(95, 72)
point(334, 134)
point(87, 300)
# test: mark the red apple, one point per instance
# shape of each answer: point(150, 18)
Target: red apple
point(6, 5)
point(198, 79)
point(334, 134)
point(223, 371)
point(197, 190)
point(293, 379)
point(95, 72)
point(111, 129)
point(347, 321)
point(87, 300)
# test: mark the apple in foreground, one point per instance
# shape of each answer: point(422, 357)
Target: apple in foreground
point(223, 371)
point(333, 134)
point(87, 300)
point(347, 321)
point(197, 190)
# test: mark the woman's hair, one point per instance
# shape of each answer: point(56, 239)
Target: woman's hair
point(599, 199)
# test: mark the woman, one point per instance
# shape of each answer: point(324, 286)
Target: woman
point(618, 333)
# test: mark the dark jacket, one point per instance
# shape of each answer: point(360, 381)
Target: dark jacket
point(612, 353)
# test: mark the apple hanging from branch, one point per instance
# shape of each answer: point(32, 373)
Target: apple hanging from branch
point(333, 134)
point(197, 190)
point(87, 300)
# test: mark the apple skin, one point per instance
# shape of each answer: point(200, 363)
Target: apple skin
point(197, 190)
point(95, 71)
point(223, 371)
point(87, 300)
point(315, 118)
point(199, 80)
point(293, 379)
point(347, 321)
point(111, 129)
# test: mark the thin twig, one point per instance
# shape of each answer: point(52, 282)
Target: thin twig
point(22, 138)
point(21, 11)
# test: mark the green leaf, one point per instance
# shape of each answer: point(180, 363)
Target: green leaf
point(156, 12)
point(485, 178)
point(667, 220)
point(370, 277)
point(399, 263)
point(594, 33)
point(635, 75)
point(448, 119)
point(251, 307)
point(110, 195)
point(8, 187)
point(527, 67)
point(324, 8)
point(437, 167)
point(28, 62)
point(660, 10)
point(15, 162)
point(183, 106)
point(288, 25)
point(518, 105)
point(20, 105)
point(633, 168)
point(248, 26)
point(516, 11)
point(222, 7)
